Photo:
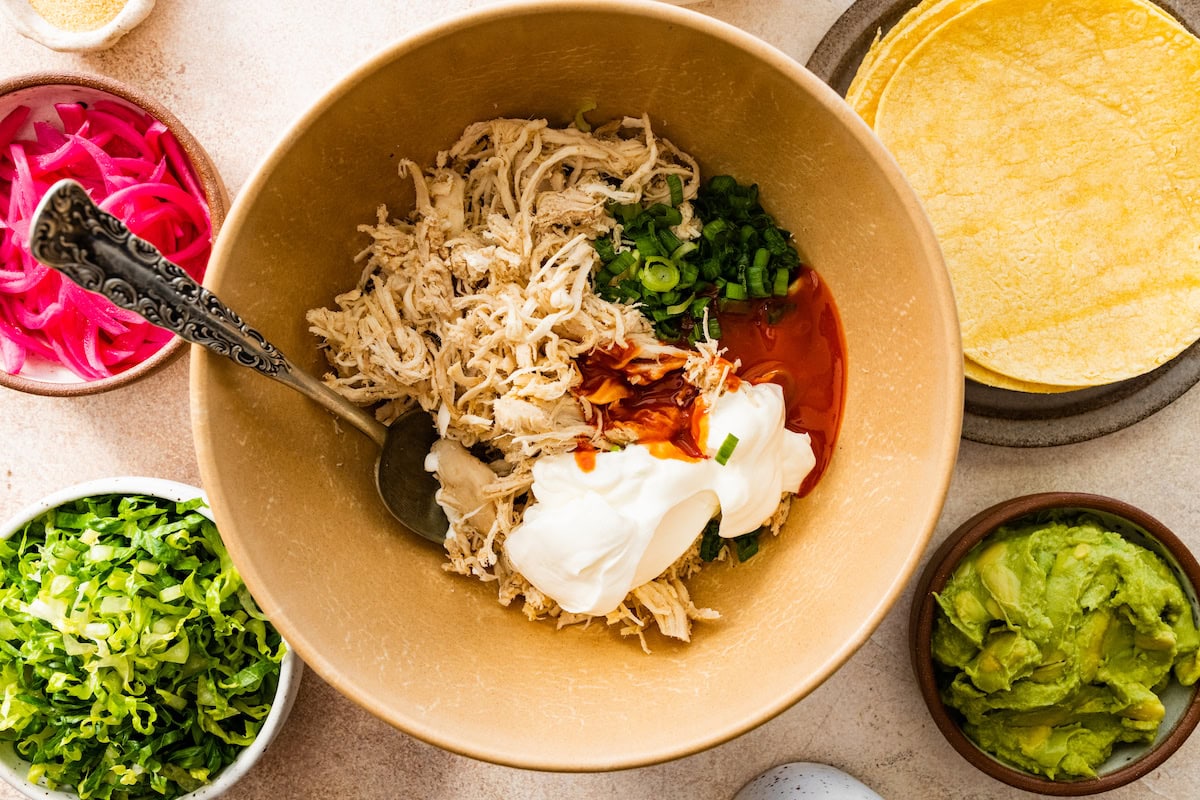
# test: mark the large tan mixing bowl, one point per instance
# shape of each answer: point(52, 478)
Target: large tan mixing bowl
point(368, 606)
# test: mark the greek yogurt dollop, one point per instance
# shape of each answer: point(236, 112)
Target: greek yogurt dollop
point(593, 535)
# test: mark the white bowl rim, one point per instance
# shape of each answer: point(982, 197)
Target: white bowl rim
point(31, 24)
point(291, 669)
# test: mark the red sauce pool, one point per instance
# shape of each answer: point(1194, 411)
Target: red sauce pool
point(795, 342)
point(803, 352)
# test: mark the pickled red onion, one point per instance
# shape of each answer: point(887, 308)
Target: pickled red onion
point(132, 166)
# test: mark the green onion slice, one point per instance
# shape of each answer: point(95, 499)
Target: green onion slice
point(675, 187)
point(754, 282)
point(605, 249)
point(713, 230)
point(711, 542)
point(581, 122)
point(683, 305)
point(747, 545)
point(624, 262)
point(722, 184)
point(684, 250)
point(726, 449)
point(659, 274)
point(779, 286)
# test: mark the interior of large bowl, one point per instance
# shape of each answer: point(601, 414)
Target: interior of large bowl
point(367, 604)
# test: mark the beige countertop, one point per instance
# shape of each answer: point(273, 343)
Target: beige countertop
point(237, 73)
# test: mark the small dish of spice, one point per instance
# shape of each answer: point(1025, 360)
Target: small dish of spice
point(76, 25)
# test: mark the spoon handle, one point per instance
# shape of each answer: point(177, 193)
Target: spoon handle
point(95, 249)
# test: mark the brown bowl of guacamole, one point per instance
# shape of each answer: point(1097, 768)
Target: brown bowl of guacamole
point(1054, 638)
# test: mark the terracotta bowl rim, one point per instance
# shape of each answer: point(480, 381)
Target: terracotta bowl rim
point(934, 578)
point(214, 191)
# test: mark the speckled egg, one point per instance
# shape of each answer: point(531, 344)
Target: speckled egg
point(805, 780)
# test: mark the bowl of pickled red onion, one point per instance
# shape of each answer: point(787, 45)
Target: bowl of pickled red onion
point(138, 162)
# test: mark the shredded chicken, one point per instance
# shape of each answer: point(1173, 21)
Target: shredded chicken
point(475, 308)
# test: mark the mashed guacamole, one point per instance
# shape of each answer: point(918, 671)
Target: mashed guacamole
point(1057, 633)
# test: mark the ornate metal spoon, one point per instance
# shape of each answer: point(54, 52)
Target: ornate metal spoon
point(96, 250)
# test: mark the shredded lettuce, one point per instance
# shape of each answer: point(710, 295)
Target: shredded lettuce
point(135, 662)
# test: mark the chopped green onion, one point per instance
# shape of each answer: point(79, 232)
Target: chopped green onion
point(669, 330)
point(623, 262)
point(743, 199)
point(684, 250)
point(779, 286)
point(604, 249)
point(676, 309)
point(747, 545)
point(648, 245)
point(665, 214)
point(581, 122)
point(726, 449)
point(688, 273)
point(626, 212)
point(775, 241)
point(675, 187)
point(659, 274)
point(630, 289)
point(741, 254)
point(721, 184)
point(754, 282)
point(669, 241)
point(711, 542)
point(714, 229)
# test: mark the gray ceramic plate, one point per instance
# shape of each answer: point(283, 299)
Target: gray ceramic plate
point(998, 416)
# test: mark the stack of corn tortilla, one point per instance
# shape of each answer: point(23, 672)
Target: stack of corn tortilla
point(1056, 147)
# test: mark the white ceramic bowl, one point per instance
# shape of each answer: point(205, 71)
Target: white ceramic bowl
point(33, 25)
point(14, 769)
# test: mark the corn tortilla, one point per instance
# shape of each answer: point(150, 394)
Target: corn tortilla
point(983, 375)
point(885, 54)
point(1054, 145)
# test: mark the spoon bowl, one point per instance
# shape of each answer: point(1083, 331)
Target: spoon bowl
point(97, 251)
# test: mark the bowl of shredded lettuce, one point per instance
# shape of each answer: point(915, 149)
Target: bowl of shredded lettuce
point(135, 664)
